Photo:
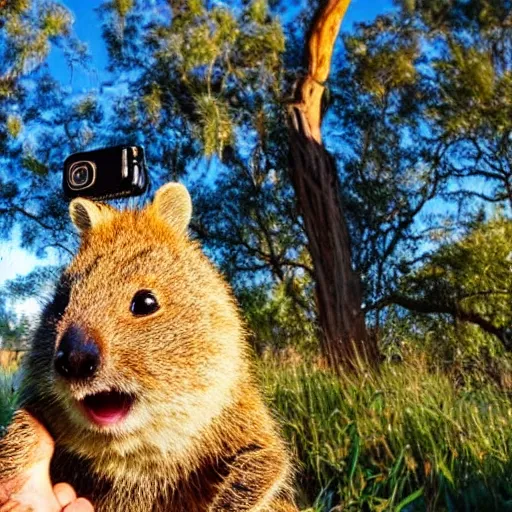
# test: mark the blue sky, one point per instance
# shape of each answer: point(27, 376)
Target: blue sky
point(87, 28)
point(14, 260)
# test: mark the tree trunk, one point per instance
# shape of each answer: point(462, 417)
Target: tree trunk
point(317, 188)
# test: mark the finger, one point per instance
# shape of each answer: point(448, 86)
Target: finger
point(65, 494)
point(80, 505)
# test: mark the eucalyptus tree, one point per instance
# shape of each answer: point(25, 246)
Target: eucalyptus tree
point(421, 128)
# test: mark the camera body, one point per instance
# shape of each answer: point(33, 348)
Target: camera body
point(108, 173)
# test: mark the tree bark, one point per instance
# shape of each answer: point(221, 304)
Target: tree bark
point(317, 188)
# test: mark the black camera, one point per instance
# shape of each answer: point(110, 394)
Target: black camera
point(107, 173)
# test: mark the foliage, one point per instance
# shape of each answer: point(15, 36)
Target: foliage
point(180, 95)
point(247, 222)
point(467, 285)
point(208, 82)
point(421, 123)
point(474, 273)
point(274, 318)
point(13, 330)
point(209, 67)
point(7, 398)
point(400, 439)
point(396, 135)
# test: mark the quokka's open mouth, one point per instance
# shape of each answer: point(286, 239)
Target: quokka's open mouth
point(107, 408)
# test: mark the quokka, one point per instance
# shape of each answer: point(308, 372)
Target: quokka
point(140, 372)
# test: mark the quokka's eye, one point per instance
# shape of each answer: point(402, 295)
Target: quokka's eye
point(144, 303)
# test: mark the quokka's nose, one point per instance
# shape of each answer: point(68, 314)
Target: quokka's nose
point(78, 356)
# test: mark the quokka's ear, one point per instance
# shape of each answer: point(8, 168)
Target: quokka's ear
point(86, 214)
point(173, 205)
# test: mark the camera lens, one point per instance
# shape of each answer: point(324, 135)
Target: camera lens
point(81, 175)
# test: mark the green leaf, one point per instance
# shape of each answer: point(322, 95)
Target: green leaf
point(31, 163)
point(409, 499)
point(445, 471)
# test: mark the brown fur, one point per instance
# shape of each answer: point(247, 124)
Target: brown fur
point(199, 437)
point(17, 447)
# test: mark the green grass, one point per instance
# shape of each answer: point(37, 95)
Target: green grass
point(402, 439)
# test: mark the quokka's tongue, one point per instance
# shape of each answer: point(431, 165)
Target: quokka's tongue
point(107, 408)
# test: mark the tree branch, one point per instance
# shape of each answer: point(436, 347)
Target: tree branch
point(452, 309)
point(306, 112)
point(322, 36)
point(31, 216)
